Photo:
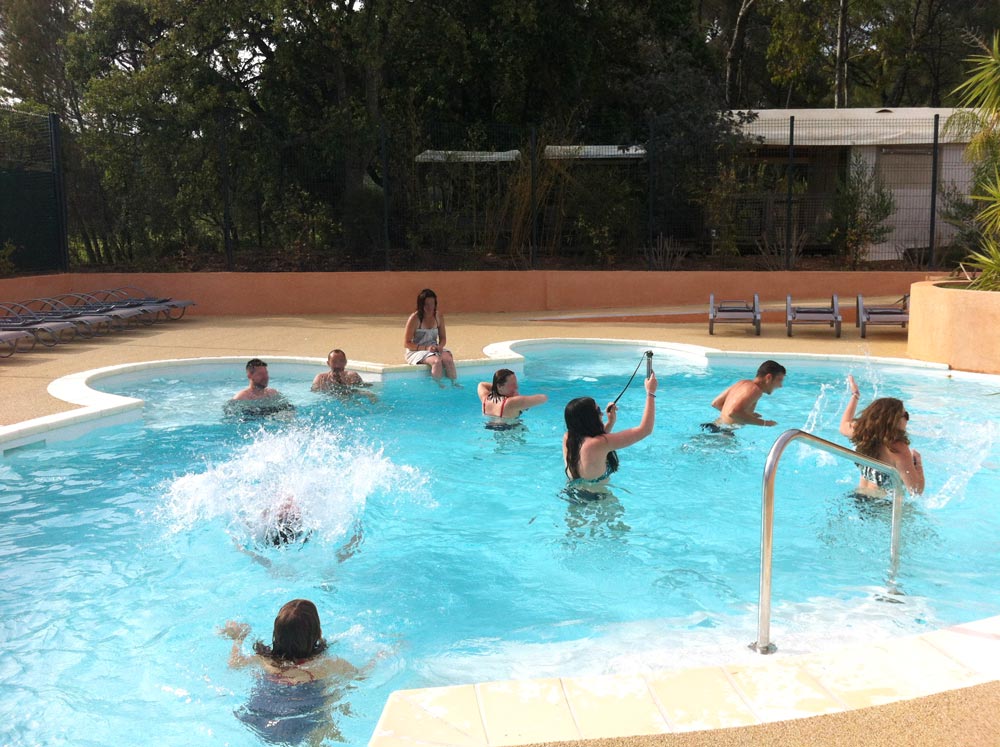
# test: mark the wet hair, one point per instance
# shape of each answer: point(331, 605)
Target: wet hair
point(583, 421)
point(423, 296)
point(499, 379)
point(255, 363)
point(335, 350)
point(770, 367)
point(297, 634)
point(878, 426)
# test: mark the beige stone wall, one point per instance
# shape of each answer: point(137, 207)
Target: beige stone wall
point(223, 293)
point(955, 326)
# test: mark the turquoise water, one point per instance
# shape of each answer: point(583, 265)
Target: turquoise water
point(449, 553)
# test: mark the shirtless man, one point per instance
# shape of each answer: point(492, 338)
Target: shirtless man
point(258, 378)
point(737, 403)
point(338, 380)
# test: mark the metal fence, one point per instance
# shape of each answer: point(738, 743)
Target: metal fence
point(492, 197)
point(32, 203)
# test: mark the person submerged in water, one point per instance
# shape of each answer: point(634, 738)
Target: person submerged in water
point(502, 401)
point(736, 404)
point(589, 444)
point(290, 703)
point(880, 433)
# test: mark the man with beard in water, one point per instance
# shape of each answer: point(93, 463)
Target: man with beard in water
point(258, 399)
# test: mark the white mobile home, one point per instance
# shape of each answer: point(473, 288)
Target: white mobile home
point(897, 143)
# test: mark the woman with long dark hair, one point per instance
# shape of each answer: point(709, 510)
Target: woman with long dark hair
point(880, 433)
point(589, 444)
point(501, 398)
point(424, 338)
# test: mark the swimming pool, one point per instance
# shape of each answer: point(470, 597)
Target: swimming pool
point(451, 548)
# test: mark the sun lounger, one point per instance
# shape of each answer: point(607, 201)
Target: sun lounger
point(88, 323)
point(16, 341)
point(829, 315)
point(738, 312)
point(886, 314)
point(119, 314)
point(17, 318)
point(131, 294)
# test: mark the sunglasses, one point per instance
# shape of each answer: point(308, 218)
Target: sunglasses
point(906, 414)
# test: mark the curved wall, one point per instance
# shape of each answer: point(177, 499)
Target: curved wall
point(955, 326)
point(238, 293)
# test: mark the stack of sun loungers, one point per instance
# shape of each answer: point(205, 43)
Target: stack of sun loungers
point(64, 318)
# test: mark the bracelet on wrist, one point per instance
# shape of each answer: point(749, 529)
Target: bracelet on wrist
point(650, 395)
point(856, 394)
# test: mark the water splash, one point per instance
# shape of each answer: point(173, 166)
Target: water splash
point(327, 475)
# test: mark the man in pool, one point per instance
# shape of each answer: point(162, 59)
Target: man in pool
point(258, 378)
point(737, 403)
point(338, 380)
point(258, 398)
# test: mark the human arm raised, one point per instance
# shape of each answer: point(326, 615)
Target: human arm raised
point(238, 632)
point(847, 419)
point(629, 436)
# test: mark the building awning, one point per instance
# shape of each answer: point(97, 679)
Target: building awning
point(468, 156)
point(552, 152)
point(844, 127)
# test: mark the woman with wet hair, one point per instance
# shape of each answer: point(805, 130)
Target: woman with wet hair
point(291, 702)
point(589, 444)
point(501, 398)
point(880, 433)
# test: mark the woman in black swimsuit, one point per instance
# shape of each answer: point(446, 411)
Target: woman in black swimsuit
point(880, 433)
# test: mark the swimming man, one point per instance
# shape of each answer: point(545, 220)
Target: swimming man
point(737, 403)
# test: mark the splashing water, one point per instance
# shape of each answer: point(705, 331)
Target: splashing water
point(325, 474)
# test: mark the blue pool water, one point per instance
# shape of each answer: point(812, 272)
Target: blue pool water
point(448, 552)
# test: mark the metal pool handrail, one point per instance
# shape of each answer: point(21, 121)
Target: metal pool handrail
point(763, 645)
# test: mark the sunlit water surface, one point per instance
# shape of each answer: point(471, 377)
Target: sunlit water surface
point(448, 553)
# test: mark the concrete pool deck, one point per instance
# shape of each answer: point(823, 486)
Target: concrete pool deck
point(939, 688)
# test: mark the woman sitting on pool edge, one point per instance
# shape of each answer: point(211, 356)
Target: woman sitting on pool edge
point(589, 445)
point(424, 338)
point(880, 433)
point(502, 401)
point(290, 702)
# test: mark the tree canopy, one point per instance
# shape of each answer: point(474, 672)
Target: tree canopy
point(202, 124)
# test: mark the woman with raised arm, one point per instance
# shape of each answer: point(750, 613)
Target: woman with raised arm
point(880, 433)
point(424, 338)
point(589, 444)
point(501, 399)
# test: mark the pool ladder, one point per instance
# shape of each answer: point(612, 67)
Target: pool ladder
point(763, 644)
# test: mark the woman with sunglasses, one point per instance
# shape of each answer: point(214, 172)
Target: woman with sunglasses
point(880, 433)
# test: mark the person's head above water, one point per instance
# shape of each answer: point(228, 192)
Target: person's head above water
point(426, 304)
point(770, 376)
point(504, 384)
point(882, 423)
point(297, 633)
point(337, 360)
point(257, 373)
